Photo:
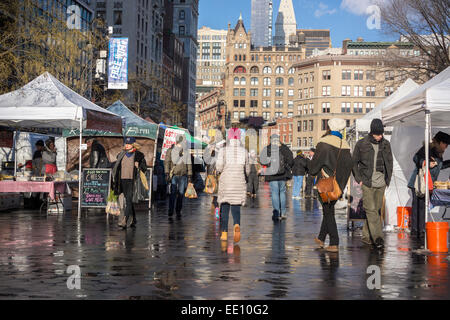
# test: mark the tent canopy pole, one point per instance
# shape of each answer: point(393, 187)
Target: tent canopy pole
point(79, 165)
point(427, 168)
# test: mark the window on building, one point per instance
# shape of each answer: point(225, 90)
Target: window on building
point(311, 125)
point(242, 92)
point(241, 115)
point(291, 70)
point(279, 104)
point(235, 114)
point(311, 93)
point(300, 93)
point(326, 91)
point(305, 125)
point(254, 69)
point(267, 81)
point(347, 123)
point(266, 92)
point(291, 82)
point(311, 76)
point(266, 115)
point(324, 124)
point(370, 106)
point(325, 107)
point(290, 92)
point(305, 142)
point(279, 81)
point(182, 15)
point(359, 75)
point(306, 93)
point(299, 109)
point(240, 69)
point(370, 91)
point(267, 70)
point(253, 103)
point(278, 114)
point(311, 142)
point(266, 103)
point(299, 126)
point(389, 75)
point(388, 91)
point(358, 91)
point(118, 18)
point(346, 91)
point(290, 114)
point(235, 92)
point(370, 75)
point(243, 81)
point(236, 103)
point(357, 107)
point(279, 70)
point(254, 81)
point(236, 81)
point(253, 114)
point(279, 92)
point(311, 108)
point(326, 75)
point(345, 107)
point(290, 104)
point(346, 74)
point(299, 142)
point(253, 92)
point(181, 30)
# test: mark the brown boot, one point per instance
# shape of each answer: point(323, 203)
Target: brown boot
point(237, 233)
point(332, 248)
point(319, 243)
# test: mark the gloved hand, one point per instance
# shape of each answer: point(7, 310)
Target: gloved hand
point(167, 178)
point(190, 179)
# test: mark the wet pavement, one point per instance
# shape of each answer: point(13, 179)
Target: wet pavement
point(184, 259)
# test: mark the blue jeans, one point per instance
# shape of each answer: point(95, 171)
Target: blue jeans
point(298, 184)
point(177, 190)
point(278, 195)
point(224, 215)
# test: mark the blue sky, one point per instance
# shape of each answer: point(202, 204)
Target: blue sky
point(345, 18)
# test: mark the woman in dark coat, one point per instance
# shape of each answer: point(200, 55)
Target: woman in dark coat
point(332, 153)
point(436, 150)
point(127, 180)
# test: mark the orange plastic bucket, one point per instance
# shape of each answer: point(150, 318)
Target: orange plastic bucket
point(403, 216)
point(437, 236)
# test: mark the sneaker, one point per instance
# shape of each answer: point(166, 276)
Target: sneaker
point(217, 213)
point(237, 233)
point(275, 215)
point(283, 216)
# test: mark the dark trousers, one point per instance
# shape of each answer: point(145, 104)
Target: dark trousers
point(329, 226)
point(309, 185)
point(418, 213)
point(224, 215)
point(177, 189)
point(253, 183)
point(127, 189)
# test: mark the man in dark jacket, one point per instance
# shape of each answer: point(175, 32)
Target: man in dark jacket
point(279, 160)
point(298, 171)
point(178, 168)
point(126, 179)
point(97, 157)
point(372, 169)
point(310, 178)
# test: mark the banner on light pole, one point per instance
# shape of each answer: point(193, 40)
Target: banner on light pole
point(118, 63)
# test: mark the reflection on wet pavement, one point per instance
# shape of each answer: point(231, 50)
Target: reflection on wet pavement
point(183, 258)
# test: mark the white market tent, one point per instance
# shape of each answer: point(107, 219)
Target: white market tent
point(414, 116)
point(47, 103)
point(398, 189)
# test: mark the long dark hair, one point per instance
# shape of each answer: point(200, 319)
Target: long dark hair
point(328, 132)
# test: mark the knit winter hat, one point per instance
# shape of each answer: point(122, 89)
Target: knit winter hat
point(129, 140)
point(234, 133)
point(376, 127)
point(337, 124)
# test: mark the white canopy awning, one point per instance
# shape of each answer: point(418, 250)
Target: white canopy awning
point(433, 96)
point(407, 87)
point(45, 102)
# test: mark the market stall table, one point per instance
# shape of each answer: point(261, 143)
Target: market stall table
point(441, 198)
point(54, 189)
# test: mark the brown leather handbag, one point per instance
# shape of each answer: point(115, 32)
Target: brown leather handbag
point(328, 187)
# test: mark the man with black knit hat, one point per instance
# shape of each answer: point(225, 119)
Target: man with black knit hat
point(372, 169)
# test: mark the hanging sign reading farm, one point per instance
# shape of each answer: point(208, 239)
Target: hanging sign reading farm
point(170, 137)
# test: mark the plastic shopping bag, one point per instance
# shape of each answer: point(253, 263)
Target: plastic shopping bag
point(211, 184)
point(190, 192)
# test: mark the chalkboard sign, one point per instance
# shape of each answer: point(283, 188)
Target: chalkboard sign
point(95, 187)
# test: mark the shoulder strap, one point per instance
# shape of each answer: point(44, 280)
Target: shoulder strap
point(337, 160)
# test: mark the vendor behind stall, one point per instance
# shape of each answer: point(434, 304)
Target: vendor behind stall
point(49, 158)
point(37, 158)
point(97, 157)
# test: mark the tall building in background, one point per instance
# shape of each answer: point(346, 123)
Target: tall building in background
point(141, 21)
point(185, 26)
point(285, 25)
point(319, 39)
point(261, 23)
point(210, 59)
